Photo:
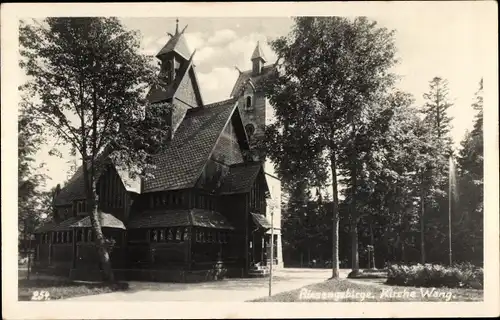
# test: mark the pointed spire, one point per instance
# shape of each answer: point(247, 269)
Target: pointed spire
point(257, 53)
point(176, 43)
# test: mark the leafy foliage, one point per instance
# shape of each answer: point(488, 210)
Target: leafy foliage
point(463, 275)
point(30, 179)
point(336, 111)
point(87, 83)
point(330, 74)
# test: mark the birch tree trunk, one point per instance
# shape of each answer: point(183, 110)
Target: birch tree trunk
point(335, 218)
point(95, 221)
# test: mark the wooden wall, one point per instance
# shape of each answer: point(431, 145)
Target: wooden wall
point(113, 197)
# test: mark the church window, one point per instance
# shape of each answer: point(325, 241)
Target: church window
point(155, 235)
point(185, 235)
point(250, 129)
point(178, 234)
point(248, 104)
point(81, 206)
point(162, 235)
point(170, 234)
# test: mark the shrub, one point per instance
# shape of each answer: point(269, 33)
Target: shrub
point(463, 275)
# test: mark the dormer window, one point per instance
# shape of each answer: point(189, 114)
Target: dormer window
point(248, 105)
point(81, 207)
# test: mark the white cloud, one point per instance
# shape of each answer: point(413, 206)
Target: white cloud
point(243, 47)
point(195, 40)
point(161, 41)
point(204, 54)
point(217, 84)
point(222, 36)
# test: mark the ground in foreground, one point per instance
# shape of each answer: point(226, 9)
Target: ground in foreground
point(374, 290)
point(44, 289)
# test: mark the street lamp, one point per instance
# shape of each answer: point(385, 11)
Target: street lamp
point(272, 253)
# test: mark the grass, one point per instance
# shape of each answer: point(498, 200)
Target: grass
point(346, 290)
point(63, 289)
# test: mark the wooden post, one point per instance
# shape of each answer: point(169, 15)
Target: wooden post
point(192, 237)
point(74, 248)
point(272, 254)
point(51, 241)
point(246, 212)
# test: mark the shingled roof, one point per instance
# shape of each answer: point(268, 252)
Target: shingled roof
point(74, 189)
point(180, 165)
point(107, 221)
point(177, 43)
point(247, 75)
point(240, 178)
point(62, 226)
point(179, 218)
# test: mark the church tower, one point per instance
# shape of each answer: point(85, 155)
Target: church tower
point(258, 60)
point(256, 113)
point(178, 86)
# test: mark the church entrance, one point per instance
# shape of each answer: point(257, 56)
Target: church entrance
point(258, 248)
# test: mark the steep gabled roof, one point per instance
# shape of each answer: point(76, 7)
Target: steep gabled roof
point(258, 54)
point(75, 187)
point(165, 92)
point(247, 75)
point(181, 164)
point(177, 43)
point(241, 178)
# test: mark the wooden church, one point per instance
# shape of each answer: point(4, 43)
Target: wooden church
point(205, 214)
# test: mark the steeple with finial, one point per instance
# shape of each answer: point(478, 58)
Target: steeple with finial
point(258, 60)
point(176, 44)
point(173, 55)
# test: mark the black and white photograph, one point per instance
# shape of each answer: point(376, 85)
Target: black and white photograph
point(248, 154)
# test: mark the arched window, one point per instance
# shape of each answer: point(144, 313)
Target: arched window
point(248, 104)
point(250, 129)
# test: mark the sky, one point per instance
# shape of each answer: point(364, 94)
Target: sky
point(449, 46)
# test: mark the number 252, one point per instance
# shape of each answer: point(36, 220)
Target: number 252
point(40, 295)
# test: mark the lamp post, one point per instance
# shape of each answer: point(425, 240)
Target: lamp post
point(272, 253)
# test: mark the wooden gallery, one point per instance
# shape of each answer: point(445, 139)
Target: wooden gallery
point(207, 211)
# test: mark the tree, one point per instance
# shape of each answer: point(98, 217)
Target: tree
point(435, 175)
point(87, 85)
point(386, 188)
point(30, 180)
point(329, 72)
point(469, 225)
